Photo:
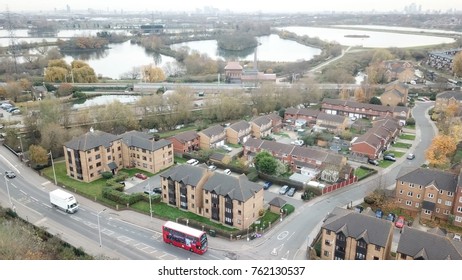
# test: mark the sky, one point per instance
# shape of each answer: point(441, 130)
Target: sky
point(286, 6)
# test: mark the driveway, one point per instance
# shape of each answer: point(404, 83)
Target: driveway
point(136, 185)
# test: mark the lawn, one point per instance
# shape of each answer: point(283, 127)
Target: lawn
point(167, 134)
point(407, 136)
point(362, 172)
point(282, 134)
point(396, 153)
point(385, 163)
point(401, 145)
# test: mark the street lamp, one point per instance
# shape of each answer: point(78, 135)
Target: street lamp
point(7, 188)
point(53, 165)
point(99, 228)
point(150, 204)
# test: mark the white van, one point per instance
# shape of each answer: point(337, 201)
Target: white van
point(192, 162)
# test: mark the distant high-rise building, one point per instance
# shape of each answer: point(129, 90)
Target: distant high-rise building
point(68, 8)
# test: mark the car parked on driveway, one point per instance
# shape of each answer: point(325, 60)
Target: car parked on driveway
point(379, 213)
point(284, 189)
point(227, 172)
point(141, 176)
point(400, 222)
point(212, 167)
point(193, 161)
point(389, 157)
point(391, 217)
point(267, 184)
point(291, 192)
point(373, 162)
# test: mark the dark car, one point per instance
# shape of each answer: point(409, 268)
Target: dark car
point(10, 174)
point(389, 157)
point(267, 184)
point(359, 208)
point(379, 213)
point(291, 192)
point(373, 161)
point(391, 217)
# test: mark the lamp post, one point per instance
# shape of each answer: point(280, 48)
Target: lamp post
point(99, 228)
point(22, 149)
point(7, 188)
point(150, 204)
point(248, 237)
point(53, 166)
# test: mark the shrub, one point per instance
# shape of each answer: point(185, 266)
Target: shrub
point(107, 174)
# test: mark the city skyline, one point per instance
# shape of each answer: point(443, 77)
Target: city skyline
point(289, 6)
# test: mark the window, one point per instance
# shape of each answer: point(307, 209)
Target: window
point(417, 205)
point(326, 253)
point(400, 191)
point(239, 212)
point(98, 164)
point(97, 156)
point(420, 187)
point(437, 210)
point(207, 210)
point(430, 195)
point(428, 212)
point(439, 200)
point(206, 201)
point(377, 247)
point(450, 194)
point(418, 196)
point(460, 199)
point(459, 209)
point(446, 212)
point(90, 167)
point(409, 194)
point(408, 202)
point(448, 203)
point(327, 242)
point(411, 185)
point(458, 219)
point(360, 256)
point(328, 231)
point(192, 196)
point(441, 191)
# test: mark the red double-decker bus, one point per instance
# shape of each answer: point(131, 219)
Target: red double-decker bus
point(185, 237)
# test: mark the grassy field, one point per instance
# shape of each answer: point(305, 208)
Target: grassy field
point(401, 145)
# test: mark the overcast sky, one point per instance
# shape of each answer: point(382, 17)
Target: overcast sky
point(298, 6)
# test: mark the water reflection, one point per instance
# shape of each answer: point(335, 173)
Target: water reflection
point(234, 55)
point(87, 55)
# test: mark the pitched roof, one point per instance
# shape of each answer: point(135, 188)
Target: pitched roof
point(186, 136)
point(303, 111)
point(91, 140)
point(213, 130)
point(143, 141)
point(233, 65)
point(426, 245)
point(359, 226)
point(394, 92)
point(261, 120)
point(425, 176)
point(330, 117)
point(188, 174)
point(240, 188)
point(366, 106)
point(239, 126)
point(277, 201)
point(450, 94)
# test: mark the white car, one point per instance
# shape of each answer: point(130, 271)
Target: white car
point(227, 148)
point(192, 162)
point(297, 142)
point(227, 172)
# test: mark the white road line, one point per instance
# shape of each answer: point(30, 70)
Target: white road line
point(46, 205)
point(124, 239)
point(35, 199)
point(107, 231)
point(290, 236)
point(23, 192)
point(17, 170)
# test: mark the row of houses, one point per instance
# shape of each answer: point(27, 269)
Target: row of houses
point(443, 59)
point(349, 235)
point(305, 160)
point(314, 118)
point(448, 99)
point(377, 139)
point(218, 135)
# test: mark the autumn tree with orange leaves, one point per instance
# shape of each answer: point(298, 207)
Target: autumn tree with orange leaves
point(440, 150)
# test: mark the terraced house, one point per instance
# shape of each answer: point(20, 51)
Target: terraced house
point(449, 98)
point(238, 132)
point(212, 137)
point(221, 198)
point(348, 235)
point(89, 155)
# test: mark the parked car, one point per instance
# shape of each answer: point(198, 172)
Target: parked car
point(400, 222)
point(227, 172)
point(141, 176)
point(410, 156)
point(227, 148)
point(373, 161)
point(267, 184)
point(391, 217)
point(291, 192)
point(192, 161)
point(10, 109)
point(284, 189)
point(10, 174)
point(359, 208)
point(389, 157)
point(297, 142)
point(212, 167)
point(379, 213)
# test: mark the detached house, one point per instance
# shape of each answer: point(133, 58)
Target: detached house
point(429, 192)
point(261, 126)
point(348, 235)
point(212, 137)
point(238, 132)
point(184, 142)
point(395, 93)
point(221, 198)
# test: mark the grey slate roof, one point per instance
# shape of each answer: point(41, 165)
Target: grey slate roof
point(424, 177)
point(331, 118)
point(143, 140)
point(429, 246)
point(239, 126)
point(188, 174)
point(213, 130)
point(261, 120)
point(186, 136)
point(91, 140)
point(366, 106)
point(357, 225)
point(240, 189)
point(457, 95)
point(277, 202)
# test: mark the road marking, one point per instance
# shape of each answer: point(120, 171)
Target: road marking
point(124, 239)
point(46, 205)
point(290, 236)
point(286, 256)
point(107, 231)
point(35, 199)
point(282, 235)
point(23, 192)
